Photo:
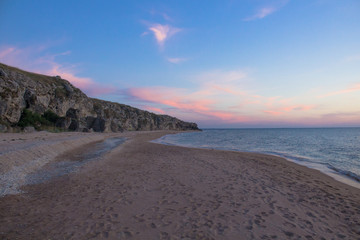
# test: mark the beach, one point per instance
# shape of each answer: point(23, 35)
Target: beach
point(145, 190)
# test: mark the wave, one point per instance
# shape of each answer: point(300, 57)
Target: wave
point(346, 173)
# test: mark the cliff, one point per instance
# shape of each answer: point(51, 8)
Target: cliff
point(74, 111)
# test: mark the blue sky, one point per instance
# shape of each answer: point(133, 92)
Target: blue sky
point(273, 63)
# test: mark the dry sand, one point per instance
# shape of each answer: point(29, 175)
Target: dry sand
point(144, 190)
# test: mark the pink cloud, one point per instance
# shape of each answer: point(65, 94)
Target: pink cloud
point(84, 83)
point(289, 108)
point(80, 82)
point(222, 97)
point(170, 97)
point(163, 32)
point(353, 88)
point(179, 99)
point(228, 90)
point(154, 109)
point(4, 53)
point(13, 56)
point(274, 113)
point(33, 59)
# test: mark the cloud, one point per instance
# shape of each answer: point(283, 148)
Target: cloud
point(164, 15)
point(261, 13)
point(274, 113)
point(221, 77)
point(176, 60)
point(86, 84)
point(154, 109)
point(266, 11)
point(218, 96)
point(34, 59)
point(163, 32)
point(6, 51)
point(183, 100)
point(13, 56)
point(354, 88)
point(288, 108)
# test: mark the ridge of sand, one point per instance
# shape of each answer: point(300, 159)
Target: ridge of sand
point(144, 190)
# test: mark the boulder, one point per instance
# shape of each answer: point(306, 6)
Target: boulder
point(29, 129)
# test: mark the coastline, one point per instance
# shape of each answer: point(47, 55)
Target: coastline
point(143, 189)
point(342, 175)
point(335, 175)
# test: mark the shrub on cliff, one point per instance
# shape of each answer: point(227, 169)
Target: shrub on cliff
point(39, 122)
point(50, 116)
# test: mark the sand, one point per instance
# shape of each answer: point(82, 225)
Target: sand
point(144, 190)
point(24, 153)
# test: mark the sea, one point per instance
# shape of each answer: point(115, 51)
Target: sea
point(333, 151)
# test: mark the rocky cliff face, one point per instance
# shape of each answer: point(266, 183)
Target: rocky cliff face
point(21, 90)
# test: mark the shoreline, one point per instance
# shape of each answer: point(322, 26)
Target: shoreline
point(339, 175)
point(144, 189)
point(335, 175)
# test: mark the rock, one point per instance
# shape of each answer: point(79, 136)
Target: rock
point(29, 98)
point(68, 89)
point(72, 113)
point(3, 73)
point(20, 89)
point(74, 125)
point(3, 128)
point(29, 129)
point(63, 122)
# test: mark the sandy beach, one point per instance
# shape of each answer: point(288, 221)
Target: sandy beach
point(144, 190)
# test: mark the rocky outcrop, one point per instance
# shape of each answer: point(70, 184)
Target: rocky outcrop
point(21, 90)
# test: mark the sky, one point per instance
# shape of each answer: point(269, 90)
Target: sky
point(221, 64)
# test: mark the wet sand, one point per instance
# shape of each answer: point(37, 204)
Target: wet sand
point(144, 190)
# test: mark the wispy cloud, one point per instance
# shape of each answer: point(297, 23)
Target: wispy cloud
point(261, 13)
point(163, 32)
point(35, 60)
point(154, 109)
point(220, 96)
point(221, 77)
point(289, 108)
point(266, 11)
point(176, 60)
point(164, 15)
point(185, 101)
point(354, 88)
point(6, 52)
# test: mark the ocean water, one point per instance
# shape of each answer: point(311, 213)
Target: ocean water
point(334, 151)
